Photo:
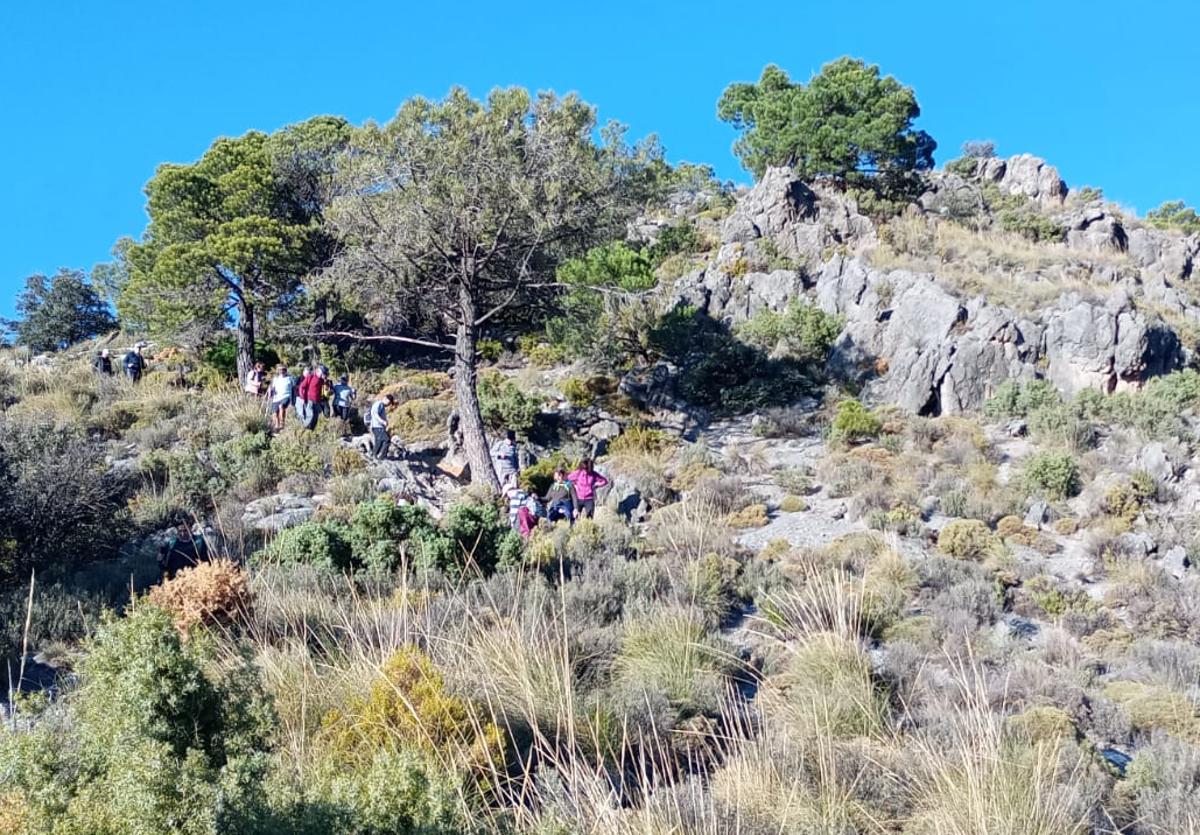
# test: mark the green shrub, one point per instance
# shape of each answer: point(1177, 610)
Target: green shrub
point(854, 423)
point(324, 545)
point(489, 350)
point(967, 539)
point(478, 533)
point(802, 332)
point(1152, 707)
point(380, 529)
point(678, 238)
point(222, 356)
point(671, 653)
point(1015, 399)
point(639, 439)
point(576, 392)
point(963, 166)
point(792, 504)
point(505, 406)
point(1174, 214)
point(154, 739)
point(1055, 474)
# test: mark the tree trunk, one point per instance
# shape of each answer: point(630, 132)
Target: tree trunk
point(475, 445)
point(245, 341)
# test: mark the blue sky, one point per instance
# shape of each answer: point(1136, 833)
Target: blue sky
point(93, 95)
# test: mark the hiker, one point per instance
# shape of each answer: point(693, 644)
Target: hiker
point(326, 391)
point(522, 507)
point(506, 457)
point(343, 396)
point(310, 395)
point(561, 501)
point(254, 380)
point(378, 422)
point(181, 550)
point(103, 363)
point(586, 481)
point(280, 394)
point(134, 363)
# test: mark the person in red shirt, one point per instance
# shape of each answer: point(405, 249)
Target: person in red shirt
point(311, 395)
point(587, 481)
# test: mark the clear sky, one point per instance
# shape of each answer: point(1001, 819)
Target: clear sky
point(93, 95)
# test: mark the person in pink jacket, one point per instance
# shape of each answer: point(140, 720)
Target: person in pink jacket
point(587, 481)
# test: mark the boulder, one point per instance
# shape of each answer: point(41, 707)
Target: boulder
point(1039, 514)
point(1176, 562)
point(1025, 174)
point(604, 430)
point(272, 514)
point(1155, 460)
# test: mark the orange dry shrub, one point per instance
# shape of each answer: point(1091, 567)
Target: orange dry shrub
point(408, 707)
point(215, 593)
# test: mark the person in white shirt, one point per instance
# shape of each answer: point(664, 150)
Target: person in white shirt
point(378, 421)
point(281, 396)
point(254, 380)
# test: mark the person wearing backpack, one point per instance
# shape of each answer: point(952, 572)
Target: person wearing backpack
point(377, 420)
point(134, 364)
point(254, 380)
point(182, 550)
point(343, 397)
point(280, 395)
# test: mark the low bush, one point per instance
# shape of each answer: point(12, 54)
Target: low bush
point(854, 423)
point(1016, 399)
point(967, 539)
point(505, 406)
point(792, 504)
point(1054, 474)
point(323, 545)
point(802, 332)
point(750, 516)
point(670, 653)
point(830, 691)
point(1152, 707)
point(214, 593)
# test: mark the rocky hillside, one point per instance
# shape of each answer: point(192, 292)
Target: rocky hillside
point(944, 303)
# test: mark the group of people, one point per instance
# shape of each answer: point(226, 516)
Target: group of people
point(133, 364)
point(570, 496)
point(312, 393)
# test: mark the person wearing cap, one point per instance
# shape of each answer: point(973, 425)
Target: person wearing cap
point(378, 422)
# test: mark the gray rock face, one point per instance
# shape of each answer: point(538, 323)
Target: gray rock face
point(1025, 174)
point(272, 514)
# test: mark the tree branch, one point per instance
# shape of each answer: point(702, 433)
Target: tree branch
point(407, 340)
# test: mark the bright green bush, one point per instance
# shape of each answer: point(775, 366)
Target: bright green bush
point(380, 529)
point(1055, 474)
point(854, 423)
point(505, 406)
point(963, 166)
point(324, 545)
point(802, 332)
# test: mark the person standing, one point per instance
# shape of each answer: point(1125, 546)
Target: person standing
point(506, 457)
point(134, 364)
point(254, 380)
point(343, 397)
point(587, 481)
point(280, 394)
point(103, 363)
point(378, 422)
point(312, 393)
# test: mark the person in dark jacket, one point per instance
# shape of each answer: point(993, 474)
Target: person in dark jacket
point(182, 550)
point(134, 363)
point(103, 363)
point(377, 422)
point(560, 500)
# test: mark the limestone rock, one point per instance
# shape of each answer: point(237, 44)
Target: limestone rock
point(1025, 174)
point(272, 514)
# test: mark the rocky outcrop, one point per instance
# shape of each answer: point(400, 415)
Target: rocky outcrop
point(1025, 174)
point(272, 514)
point(910, 337)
